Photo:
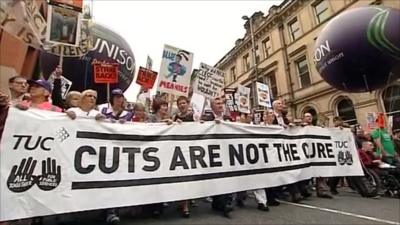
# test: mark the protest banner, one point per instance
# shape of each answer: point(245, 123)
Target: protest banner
point(105, 73)
point(63, 26)
point(175, 71)
point(263, 95)
point(146, 77)
point(23, 20)
point(209, 81)
point(243, 98)
point(50, 164)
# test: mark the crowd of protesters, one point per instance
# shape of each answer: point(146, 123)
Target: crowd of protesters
point(375, 148)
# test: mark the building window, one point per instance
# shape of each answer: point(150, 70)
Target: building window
point(257, 55)
point(302, 71)
point(391, 100)
point(294, 29)
point(273, 87)
point(233, 74)
point(321, 11)
point(346, 111)
point(267, 47)
point(246, 63)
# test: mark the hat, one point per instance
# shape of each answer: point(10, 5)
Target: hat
point(42, 83)
point(117, 91)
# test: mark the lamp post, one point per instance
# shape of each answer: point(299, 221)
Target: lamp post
point(253, 49)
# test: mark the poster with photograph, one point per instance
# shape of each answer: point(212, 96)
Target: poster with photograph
point(263, 95)
point(63, 26)
point(244, 99)
point(175, 71)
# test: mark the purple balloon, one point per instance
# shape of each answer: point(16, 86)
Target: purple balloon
point(359, 50)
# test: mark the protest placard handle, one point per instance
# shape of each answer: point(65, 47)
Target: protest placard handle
point(108, 93)
point(61, 60)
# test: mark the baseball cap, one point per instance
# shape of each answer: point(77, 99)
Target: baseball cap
point(117, 91)
point(44, 84)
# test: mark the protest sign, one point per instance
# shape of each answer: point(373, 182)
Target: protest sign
point(23, 20)
point(243, 99)
point(263, 95)
point(54, 165)
point(175, 71)
point(371, 123)
point(63, 26)
point(105, 73)
point(146, 78)
point(230, 100)
point(209, 81)
point(85, 43)
point(65, 85)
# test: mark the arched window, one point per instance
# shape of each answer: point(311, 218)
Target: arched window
point(345, 110)
point(391, 101)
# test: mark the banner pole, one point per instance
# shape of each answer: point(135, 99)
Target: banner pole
point(108, 92)
point(61, 60)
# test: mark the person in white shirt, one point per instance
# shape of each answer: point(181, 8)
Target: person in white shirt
point(86, 107)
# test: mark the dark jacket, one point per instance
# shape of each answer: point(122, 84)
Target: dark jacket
point(186, 118)
point(285, 120)
point(56, 95)
point(209, 116)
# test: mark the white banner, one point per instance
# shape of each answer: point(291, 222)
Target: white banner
point(243, 99)
point(51, 164)
point(175, 71)
point(209, 81)
point(263, 95)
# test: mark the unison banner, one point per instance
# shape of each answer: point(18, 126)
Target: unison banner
point(51, 164)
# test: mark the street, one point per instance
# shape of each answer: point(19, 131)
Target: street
point(350, 207)
point(346, 208)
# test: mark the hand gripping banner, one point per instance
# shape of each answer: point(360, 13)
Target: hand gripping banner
point(51, 164)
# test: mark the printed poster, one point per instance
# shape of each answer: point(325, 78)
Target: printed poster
point(244, 99)
point(63, 26)
point(209, 81)
point(175, 71)
point(263, 95)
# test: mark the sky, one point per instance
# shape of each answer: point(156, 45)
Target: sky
point(208, 29)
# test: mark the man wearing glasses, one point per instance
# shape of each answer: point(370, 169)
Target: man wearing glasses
point(18, 88)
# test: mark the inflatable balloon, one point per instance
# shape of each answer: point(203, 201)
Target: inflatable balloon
point(359, 50)
point(107, 46)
